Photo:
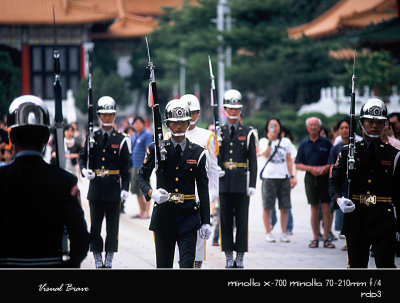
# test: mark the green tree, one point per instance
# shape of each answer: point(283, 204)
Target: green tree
point(9, 82)
point(139, 78)
point(374, 69)
point(188, 33)
point(265, 62)
point(103, 85)
point(101, 57)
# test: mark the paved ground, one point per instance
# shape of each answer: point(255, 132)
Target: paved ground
point(136, 245)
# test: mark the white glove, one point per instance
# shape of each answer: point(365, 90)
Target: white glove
point(205, 231)
point(88, 174)
point(124, 195)
point(346, 205)
point(221, 172)
point(160, 195)
point(251, 191)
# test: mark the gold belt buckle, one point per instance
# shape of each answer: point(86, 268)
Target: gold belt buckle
point(103, 172)
point(232, 165)
point(176, 198)
point(368, 199)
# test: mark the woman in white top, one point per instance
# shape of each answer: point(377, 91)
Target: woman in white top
point(277, 175)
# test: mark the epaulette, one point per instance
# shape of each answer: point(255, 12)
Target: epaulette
point(195, 144)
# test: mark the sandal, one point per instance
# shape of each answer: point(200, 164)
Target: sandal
point(313, 244)
point(328, 244)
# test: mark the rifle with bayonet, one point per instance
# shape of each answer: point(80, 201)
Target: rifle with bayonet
point(160, 150)
point(90, 134)
point(214, 105)
point(350, 156)
point(59, 129)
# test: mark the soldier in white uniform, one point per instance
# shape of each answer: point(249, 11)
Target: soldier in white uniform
point(208, 140)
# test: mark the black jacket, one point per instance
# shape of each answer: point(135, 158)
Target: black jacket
point(241, 149)
point(115, 155)
point(37, 201)
point(369, 178)
point(180, 178)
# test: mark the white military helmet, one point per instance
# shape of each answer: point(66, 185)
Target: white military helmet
point(233, 99)
point(176, 110)
point(192, 101)
point(106, 105)
point(28, 110)
point(373, 108)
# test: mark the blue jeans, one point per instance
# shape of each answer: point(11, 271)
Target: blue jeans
point(338, 219)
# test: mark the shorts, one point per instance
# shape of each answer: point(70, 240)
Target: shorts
point(276, 188)
point(316, 189)
point(134, 188)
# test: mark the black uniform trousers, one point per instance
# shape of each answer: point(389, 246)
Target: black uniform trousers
point(165, 242)
point(369, 225)
point(234, 206)
point(111, 211)
point(383, 247)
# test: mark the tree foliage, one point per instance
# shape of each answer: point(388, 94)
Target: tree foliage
point(105, 80)
point(9, 82)
point(265, 62)
point(102, 85)
point(373, 69)
point(190, 34)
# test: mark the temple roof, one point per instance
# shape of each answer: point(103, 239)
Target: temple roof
point(347, 13)
point(128, 18)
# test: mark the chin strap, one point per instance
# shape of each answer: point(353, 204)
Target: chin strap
point(195, 121)
point(371, 136)
point(232, 117)
point(106, 124)
point(176, 134)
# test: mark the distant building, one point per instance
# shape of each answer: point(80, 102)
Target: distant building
point(27, 33)
point(375, 24)
point(347, 15)
point(333, 101)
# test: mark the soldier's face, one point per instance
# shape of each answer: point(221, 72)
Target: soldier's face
point(233, 111)
point(179, 126)
point(374, 126)
point(107, 118)
point(195, 115)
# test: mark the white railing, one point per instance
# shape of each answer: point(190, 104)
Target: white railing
point(333, 100)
